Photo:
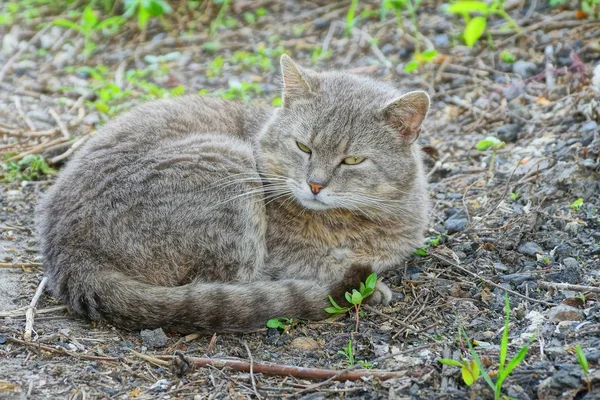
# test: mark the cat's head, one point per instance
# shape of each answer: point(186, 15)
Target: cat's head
point(342, 141)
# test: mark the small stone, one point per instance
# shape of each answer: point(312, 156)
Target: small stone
point(530, 249)
point(516, 278)
point(563, 312)
point(441, 40)
point(2, 339)
point(304, 343)
point(571, 272)
point(512, 92)
point(91, 119)
point(456, 223)
point(524, 68)
point(154, 338)
point(508, 133)
point(321, 23)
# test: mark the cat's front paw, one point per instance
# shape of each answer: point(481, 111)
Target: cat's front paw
point(382, 295)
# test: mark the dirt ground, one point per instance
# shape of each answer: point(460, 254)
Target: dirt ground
point(520, 230)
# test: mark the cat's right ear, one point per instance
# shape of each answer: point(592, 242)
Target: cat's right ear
point(297, 82)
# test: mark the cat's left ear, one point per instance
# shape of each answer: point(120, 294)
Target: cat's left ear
point(406, 113)
point(298, 83)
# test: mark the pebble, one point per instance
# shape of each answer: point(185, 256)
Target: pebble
point(456, 223)
point(2, 339)
point(154, 338)
point(524, 68)
point(516, 278)
point(563, 312)
point(441, 40)
point(571, 272)
point(321, 23)
point(508, 133)
point(304, 343)
point(530, 249)
point(512, 92)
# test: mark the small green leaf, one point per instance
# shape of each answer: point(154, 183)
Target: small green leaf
point(371, 281)
point(67, 24)
point(274, 323)
point(356, 297)
point(411, 66)
point(504, 340)
point(581, 359)
point(333, 303)
point(470, 372)
point(486, 143)
point(449, 361)
point(348, 297)
point(462, 7)
point(503, 374)
point(333, 310)
point(88, 19)
point(422, 252)
point(474, 29)
point(361, 288)
point(429, 55)
point(576, 205)
point(507, 57)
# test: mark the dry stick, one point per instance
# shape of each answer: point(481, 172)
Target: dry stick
point(14, 58)
point(251, 370)
point(23, 115)
point(487, 281)
point(19, 265)
point(396, 320)
point(287, 370)
point(30, 310)
point(568, 286)
point(22, 312)
point(60, 123)
point(61, 351)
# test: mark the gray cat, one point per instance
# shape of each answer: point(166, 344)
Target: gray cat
point(198, 214)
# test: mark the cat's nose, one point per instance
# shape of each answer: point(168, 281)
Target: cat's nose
point(315, 187)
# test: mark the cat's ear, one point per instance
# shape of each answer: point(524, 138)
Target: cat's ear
point(297, 82)
point(406, 113)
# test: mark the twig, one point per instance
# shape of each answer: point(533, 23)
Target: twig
point(22, 312)
point(23, 115)
point(151, 359)
point(287, 370)
point(19, 265)
point(568, 286)
point(70, 151)
point(61, 125)
point(396, 320)
point(251, 370)
point(30, 310)
point(61, 351)
point(440, 257)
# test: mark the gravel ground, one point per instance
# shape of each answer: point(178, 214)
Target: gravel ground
point(519, 230)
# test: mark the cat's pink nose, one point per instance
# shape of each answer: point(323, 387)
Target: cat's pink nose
point(315, 187)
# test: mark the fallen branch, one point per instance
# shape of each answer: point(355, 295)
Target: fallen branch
point(314, 374)
point(19, 265)
point(29, 315)
point(568, 286)
point(23, 311)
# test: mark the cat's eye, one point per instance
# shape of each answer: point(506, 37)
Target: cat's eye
point(304, 147)
point(353, 160)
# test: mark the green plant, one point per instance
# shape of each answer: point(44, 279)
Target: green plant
point(348, 352)
point(507, 57)
point(244, 91)
point(469, 369)
point(281, 323)
point(429, 243)
point(514, 196)
point(88, 26)
point(577, 204)
point(505, 368)
point(583, 363)
point(493, 143)
point(219, 19)
point(146, 9)
point(29, 168)
point(350, 17)
point(355, 298)
point(476, 26)
point(420, 59)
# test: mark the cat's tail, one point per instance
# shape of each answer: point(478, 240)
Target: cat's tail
point(203, 307)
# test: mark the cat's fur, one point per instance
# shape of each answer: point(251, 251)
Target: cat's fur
point(196, 214)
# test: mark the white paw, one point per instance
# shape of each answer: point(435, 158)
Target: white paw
point(382, 295)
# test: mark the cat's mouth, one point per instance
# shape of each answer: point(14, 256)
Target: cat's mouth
point(313, 203)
